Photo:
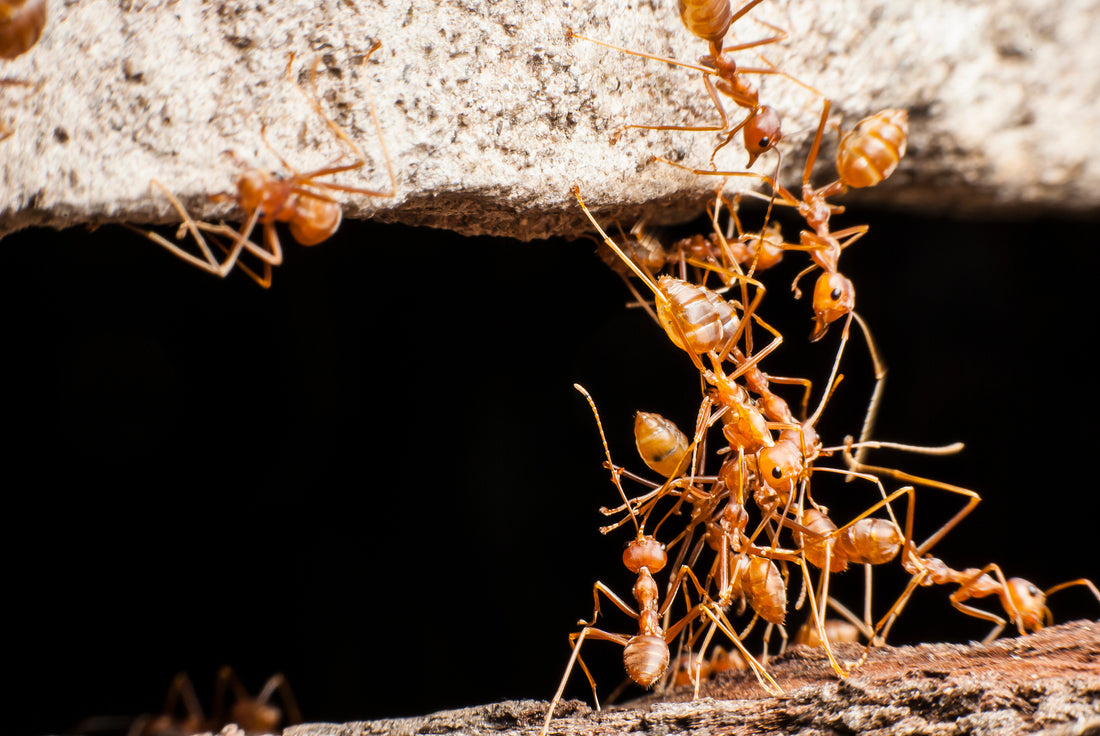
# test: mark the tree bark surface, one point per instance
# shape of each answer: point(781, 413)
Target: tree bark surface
point(1046, 683)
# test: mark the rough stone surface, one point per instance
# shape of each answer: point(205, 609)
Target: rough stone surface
point(490, 112)
point(1047, 683)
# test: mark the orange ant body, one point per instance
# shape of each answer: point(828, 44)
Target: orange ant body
point(255, 715)
point(1023, 601)
point(182, 713)
point(21, 24)
point(744, 570)
point(646, 654)
point(866, 155)
point(837, 631)
point(688, 669)
point(660, 442)
point(710, 20)
point(301, 200)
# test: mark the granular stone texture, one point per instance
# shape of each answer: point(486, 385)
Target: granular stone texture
point(490, 111)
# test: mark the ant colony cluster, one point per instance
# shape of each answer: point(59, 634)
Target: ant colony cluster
point(731, 506)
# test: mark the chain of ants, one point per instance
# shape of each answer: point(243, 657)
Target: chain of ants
point(727, 560)
point(766, 452)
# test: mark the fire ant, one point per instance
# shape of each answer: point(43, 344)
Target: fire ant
point(710, 20)
point(866, 156)
point(301, 200)
point(1022, 600)
point(646, 654)
point(182, 714)
point(837, 631)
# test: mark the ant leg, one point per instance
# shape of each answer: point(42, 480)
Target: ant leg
point(208, 262)
point(719, 620)
point(980, 585)
point(181, 689)
point(607, 452)
point(909, 478)
point(876, 395)
point(341, 134)
point(1080, 581)
point(227, 680)
point(278, 682)
point(575, 642)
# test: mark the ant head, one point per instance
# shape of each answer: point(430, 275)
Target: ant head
point(761, 132)
point(647, 552)
point(834, 297)
point(780, 465)
point(1029, 602)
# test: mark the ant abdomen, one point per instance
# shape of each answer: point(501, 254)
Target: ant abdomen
point(872, 150)
point(660, 443)
point(21, 24)
point(871, 541)
point(315, 220)
point(815, 546)
point(836, 630)
point(702, 317)
point(646, 658)
point(707, 19)
point(765, 589)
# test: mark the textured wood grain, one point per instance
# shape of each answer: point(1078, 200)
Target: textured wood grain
point(1046, 683)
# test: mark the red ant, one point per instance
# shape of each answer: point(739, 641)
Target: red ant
point(182, 714)
point(710, 20)
point(646, 654)
point(300, 200)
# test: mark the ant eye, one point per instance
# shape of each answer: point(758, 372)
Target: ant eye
point(777, 473)
point(1033, 590)
point(836, 293)
point(764, 142)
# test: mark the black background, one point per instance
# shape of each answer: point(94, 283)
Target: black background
point(377, 478)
